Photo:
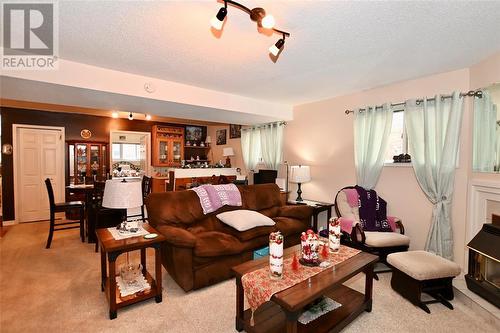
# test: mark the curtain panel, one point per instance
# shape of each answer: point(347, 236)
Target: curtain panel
point(372, 127)
point(485, 134)
point(433, 129)
point(264, 142)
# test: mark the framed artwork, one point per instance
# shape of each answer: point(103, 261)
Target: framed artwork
point(234, 131)
point(194, 133)
point(221, 136)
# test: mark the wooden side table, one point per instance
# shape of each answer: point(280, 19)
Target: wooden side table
point(318, 208)
point(113, 248)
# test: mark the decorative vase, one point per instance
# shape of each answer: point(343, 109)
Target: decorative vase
point(309, 243)
point(276, 255)
point(334, 234)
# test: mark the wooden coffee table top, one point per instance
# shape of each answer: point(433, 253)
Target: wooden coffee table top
point(303, 293)
point(133, 243)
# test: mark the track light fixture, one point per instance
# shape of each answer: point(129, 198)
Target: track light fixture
point(148, 117)
point(115, 114)
point(258, 15)
point(130, 116)
point(276, 48)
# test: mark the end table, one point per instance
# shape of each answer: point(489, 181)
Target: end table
point(113, 248)
point(318, 208)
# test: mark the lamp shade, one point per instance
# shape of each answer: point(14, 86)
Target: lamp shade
point(208, 139)
point(300, 174)
point(227, 152)
point(122, 195)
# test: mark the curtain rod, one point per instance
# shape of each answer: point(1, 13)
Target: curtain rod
point(264, 125)
point(475, 93)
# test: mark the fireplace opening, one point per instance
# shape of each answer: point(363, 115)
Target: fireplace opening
point(483, 276)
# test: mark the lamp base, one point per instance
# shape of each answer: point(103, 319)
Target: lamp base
point(299, 194)
point(228, 162)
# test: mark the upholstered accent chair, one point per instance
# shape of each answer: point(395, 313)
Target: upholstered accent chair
point(376, 242)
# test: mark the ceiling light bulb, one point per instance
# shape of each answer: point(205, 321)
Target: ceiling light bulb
point(275, 49)
point(114, 114)
point(148, 117)
point(218, 20)
point(130, 116)
point(268, 22)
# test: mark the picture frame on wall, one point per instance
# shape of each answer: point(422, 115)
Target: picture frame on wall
point(234, 131)
point(194, 133)
point(221, 136)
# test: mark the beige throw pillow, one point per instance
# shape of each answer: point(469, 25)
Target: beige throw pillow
point(243, 219)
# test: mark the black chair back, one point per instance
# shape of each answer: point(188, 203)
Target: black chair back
point(146, 186)
point(265, 177)
point(50, 192)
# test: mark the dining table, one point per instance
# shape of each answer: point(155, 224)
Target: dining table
point(86, 190)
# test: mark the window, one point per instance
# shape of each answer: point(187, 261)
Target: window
point(126, 151)
point(398, 142)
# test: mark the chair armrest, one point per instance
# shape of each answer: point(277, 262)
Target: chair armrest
point(177, 236)
point(396, 223)
point(346, 224)
point(301, 212)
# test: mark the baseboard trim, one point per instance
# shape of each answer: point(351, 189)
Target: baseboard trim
point(8, 223)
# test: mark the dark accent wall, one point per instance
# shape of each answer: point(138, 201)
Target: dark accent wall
point(73, 124)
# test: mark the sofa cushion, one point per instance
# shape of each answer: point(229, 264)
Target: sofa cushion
point(214, 243)
point(243, 219)
point(289, 226)
point(422, 265)
point(385, 239)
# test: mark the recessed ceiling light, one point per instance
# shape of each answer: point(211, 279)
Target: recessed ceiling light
point(130, 116)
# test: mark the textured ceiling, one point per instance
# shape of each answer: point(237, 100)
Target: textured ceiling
point(335, 47)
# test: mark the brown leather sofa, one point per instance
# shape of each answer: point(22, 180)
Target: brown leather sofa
point(200, 250)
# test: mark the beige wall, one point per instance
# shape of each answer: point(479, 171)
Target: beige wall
point(237, 160)
point(321, 135)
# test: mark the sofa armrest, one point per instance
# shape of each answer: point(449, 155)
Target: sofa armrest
point(177, 236)
point(300, 212)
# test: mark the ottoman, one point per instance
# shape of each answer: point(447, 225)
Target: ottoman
point(417, 272)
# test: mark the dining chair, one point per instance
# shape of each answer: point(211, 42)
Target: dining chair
point(62, 207)
point(146, 190)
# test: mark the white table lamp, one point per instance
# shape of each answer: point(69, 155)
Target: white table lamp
point(300, 174)
point(122, 195)
point(227, 152)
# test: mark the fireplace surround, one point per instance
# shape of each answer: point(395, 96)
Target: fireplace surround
point(483, 275)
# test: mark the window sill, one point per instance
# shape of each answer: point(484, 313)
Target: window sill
point(397, 165)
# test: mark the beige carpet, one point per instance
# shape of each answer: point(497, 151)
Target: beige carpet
point(58, 290)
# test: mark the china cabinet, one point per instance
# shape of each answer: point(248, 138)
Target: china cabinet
point(168, 146)
point(87, 161)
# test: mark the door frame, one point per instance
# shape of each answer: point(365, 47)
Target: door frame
point(16, 162)
point(149, 162)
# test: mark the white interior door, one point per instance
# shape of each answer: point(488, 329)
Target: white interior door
point(40, 156)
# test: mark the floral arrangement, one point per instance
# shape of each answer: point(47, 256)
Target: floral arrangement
point(334, 234)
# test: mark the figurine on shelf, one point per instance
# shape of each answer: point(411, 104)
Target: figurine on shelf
point(194, 144)
point(202, 144)
point(188, 143)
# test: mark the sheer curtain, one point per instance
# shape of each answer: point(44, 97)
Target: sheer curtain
point(433, 129)
point(271, 139)
point(485, 134)
point(263, 142)
point(250, 147)
point(372, 127)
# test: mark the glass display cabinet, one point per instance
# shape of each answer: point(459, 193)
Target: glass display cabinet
point(87, 161)
point(168, 146)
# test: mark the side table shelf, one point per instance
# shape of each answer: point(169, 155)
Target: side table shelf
point(110, 250)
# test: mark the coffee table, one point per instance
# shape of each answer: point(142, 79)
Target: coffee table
point(285, 307)
point(113, 248)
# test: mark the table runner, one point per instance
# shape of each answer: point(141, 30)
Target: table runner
point(259, 287)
